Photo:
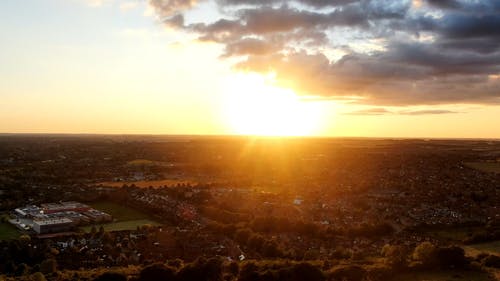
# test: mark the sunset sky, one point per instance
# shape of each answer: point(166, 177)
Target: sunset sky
point(374, 68)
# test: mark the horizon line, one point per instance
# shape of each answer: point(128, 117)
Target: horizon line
point(34, 134)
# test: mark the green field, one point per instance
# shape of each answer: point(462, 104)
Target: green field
point(119, 212)
point(488, 167)
point(8, 231)
point(122, 225)
point(124, 218)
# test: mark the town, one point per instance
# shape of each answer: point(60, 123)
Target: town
point(131, 202)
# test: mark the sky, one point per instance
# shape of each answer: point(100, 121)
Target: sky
point(368, 68)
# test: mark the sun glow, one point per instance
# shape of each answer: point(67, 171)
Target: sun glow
point(253, 106)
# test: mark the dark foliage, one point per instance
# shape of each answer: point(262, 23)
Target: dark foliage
point(111, 276)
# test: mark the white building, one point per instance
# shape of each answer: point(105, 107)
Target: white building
point(52, 225)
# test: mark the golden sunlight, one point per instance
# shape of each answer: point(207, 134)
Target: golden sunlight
point(254, 106)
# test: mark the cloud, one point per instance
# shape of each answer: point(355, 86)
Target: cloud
point(392, 52)
point(427, 112)
point(370, 111)
point(166, 8)
point(447, 4)
point(383, 111)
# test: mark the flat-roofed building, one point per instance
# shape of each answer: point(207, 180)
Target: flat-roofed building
point(52, 225)
point(50, 208)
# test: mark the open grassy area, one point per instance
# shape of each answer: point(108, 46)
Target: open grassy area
point(125, 218)
point(122, 225)
point(488, 167)
point(119, 212)
point(443, 276)
point(8, 231)
point(490, 247)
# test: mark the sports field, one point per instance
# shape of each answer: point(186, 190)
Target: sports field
point(124, 218)
point(8, 231)
point(122, 225)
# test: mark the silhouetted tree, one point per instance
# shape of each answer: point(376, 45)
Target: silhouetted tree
point(48, 266)
point(157, 271)
point(111, 276)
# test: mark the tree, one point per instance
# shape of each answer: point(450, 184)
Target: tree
point(201, 269)
point(93, 230)
point(395, 256)
point(348, 272)
point(155, 272)
point(48, 266)
point(249, 272)
point(452, 257)
point(425, 254)
point(22, 269)
point(38, 276)
point(306, 271)
point(25, 238)
point(242, 235)
point(492, 261)
point(111, 276)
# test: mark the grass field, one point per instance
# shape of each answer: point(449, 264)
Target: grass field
point(125, 218)
point(490, 247)
point(8, 231)
point(488, 167)
point(122, 225)
point(119, 212)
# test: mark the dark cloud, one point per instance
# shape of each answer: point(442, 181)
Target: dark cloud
point(447, 51)
point(446, 4)
point(467, 7)
point(469, 26)
point(249, 46)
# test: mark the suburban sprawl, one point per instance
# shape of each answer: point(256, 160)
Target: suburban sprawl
point(238, 208)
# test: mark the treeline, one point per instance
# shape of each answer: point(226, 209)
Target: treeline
point(225, 221)
point(394, 260)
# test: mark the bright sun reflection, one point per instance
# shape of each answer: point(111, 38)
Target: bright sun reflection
point(253, 106)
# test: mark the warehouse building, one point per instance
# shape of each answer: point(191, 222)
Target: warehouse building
point(53, 225)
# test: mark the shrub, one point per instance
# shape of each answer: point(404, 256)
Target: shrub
point(111, 276)
point(492, 261)
point(155, 272)
point(395, 256)
point(348, 273)
point(425, 253)
point(48, 266)
point(38, 276)
point(451, 257)
point(306, 271)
